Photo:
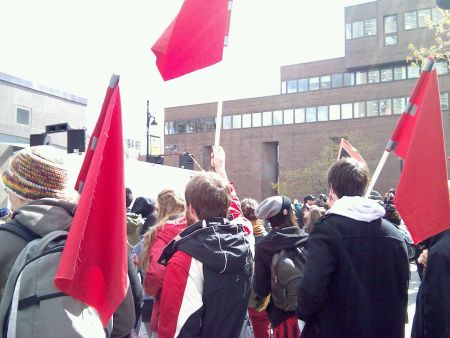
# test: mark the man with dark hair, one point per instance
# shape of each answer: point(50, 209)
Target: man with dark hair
point(357, 273)
point(209, 265)
point(308, 201)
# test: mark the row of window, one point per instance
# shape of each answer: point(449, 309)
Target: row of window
point(412, 20)
point(357, 78)
point(343, 111)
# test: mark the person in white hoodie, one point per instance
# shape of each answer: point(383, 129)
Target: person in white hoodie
point(357, 273)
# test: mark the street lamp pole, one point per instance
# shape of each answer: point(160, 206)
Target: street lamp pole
point(147, 158)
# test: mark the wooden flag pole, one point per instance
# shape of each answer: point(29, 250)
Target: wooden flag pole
point(218, 123)
point(377, 172)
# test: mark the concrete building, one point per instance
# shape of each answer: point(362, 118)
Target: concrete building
point(26, 108)
point(268, 137)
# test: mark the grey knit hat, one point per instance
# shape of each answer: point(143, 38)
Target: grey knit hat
point(275, 209)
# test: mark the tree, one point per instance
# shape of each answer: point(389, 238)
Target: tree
point(313, 178)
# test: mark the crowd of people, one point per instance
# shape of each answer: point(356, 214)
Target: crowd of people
point(208, 264)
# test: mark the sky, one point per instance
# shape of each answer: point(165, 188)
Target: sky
point(76, 46)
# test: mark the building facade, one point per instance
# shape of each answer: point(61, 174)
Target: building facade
point(364, 92)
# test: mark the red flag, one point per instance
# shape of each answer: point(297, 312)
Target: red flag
point(93, 267)
point(422, 197)
point(347, 150)
point(195, 38)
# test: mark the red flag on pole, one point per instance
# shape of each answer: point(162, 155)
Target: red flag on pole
point(93, 267)
point(347, 150)
point(422, 197)
point(195, 38)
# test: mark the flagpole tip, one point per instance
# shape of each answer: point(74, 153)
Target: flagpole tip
point(114, 80)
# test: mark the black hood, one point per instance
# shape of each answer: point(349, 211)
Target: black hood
point(283, 238)
point(220, 245)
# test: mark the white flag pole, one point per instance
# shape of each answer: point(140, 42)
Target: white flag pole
point(377, 172)
point(218, 123)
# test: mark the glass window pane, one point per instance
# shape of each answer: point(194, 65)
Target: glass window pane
point(314, 83)
point(410, 20)
point(277, 117)
point(390, 24)
point(359, 109)
point(210, 124)
point(22, 116)
point(441, 67)
point(424, 17)
point(322, 113)
point(347, 111)
point(357, 29)
point(237, 122)
point(325, 82)
point(370, 27)
point(256, 119)
point(386, 75)
point(436, 14)
point(226, 122)
point(390, 40)
point(292, 86)
point(246, 120)
point(336, 80)
point(372, 108)
point(311, 114)
point(181, 127)
point(385, 107)
point(413, 72)
point(398, 104)
point(444, 101)
point(374, 76)
point(349, 79)
point(361, 78)
point(166, 128)
point(199, 125)
point(299, 115)
point(267, 118)
point(302, 85)
point(171, 128)
point(288, 116)
point(335, 112)
point(348, 31)
point(400, 73)
point(283, 87)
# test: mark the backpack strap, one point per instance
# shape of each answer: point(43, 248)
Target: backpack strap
point(20, 230)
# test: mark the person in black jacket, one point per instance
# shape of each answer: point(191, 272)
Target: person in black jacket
point(285, 234)
point(432, 317)
point(357, 272)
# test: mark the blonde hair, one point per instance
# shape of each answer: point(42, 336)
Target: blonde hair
point(170, 207)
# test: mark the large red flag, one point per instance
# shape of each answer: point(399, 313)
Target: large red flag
point(93, 267)
point(195, 38)
point(422, 197)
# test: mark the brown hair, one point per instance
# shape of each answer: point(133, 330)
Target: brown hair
point(348, 177)
point(248, 206)
point(289, 221)
point(208, 194)
point(312, 215)
point(170, 207)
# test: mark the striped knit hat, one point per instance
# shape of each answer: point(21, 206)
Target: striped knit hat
point(35, 173)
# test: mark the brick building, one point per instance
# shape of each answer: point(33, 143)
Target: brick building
point(365, 91)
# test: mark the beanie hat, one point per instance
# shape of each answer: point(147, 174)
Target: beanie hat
point(275, 209)
point(143, 206)
point(35, 173)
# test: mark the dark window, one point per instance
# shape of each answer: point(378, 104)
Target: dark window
point(349, 79)
point(199, 125)
point(336, 80)
point(23, 115)
point(210, 124)
point(180, 127)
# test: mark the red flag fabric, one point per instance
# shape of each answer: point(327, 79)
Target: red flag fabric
point(422, 196)
point(347, 150)
point(93, 266)
point(195, 38)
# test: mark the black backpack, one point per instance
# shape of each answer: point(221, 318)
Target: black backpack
point(287, 269)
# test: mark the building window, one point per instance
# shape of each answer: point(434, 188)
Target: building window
point(423, 17)
point(372, 108)
point(303, 85)
point(441, 67)
point(277, 117)
point(390, 30)
point(226, 124)
point(357, 29)
point(322, 113)
point(180, 127)
point(386, 75)
point(361, 78)
point(398, 103)
point(292, 86)
point(335, 112)
point(400, 73)
point(314, 83)
point(347, 111)
point(267, 118)
point(374, 76)
point(436, 15)
point(370, 27)
point(359, 109)
point(413, 72)
point(349, 79)
point(410, 20)
point(386, 107)
point(190, 127)
point(299, 115)
point(237, 121)
point(348, 31)
point(170, 130)
point(199, 125)
point(336, 80)
point(283, 87)
point(311, 114)
point(23, 115)
point(288, 116)
point(390, 40)
point(444, 101)
point(325, 82)
point(246, 120)
point(256, 119)
point(210, 124)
